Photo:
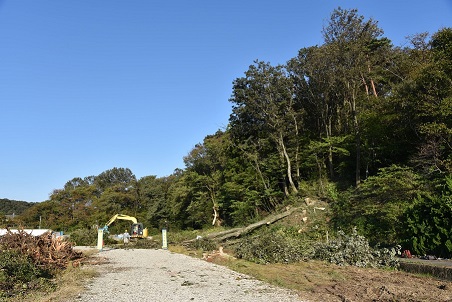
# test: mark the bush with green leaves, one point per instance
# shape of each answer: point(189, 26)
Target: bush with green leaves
point(18, 273)
point(85, 237)
point(428, 225)
point(203, 244)
point(274, 245)
point(353, 249)
point(377, 206)
point(146, 244)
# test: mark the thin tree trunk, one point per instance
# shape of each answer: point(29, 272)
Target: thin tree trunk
point(288, 163)
point(357, 140)
point(329, 132)
point(374, 90)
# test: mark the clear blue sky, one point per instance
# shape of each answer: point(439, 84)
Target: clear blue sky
point(89, 85)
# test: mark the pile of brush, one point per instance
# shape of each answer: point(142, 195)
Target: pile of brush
point(46, 250)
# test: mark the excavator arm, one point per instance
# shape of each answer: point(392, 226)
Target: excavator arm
point(137, 229)
point(121, 216)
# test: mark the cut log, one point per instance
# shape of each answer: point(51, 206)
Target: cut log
point(238, 232)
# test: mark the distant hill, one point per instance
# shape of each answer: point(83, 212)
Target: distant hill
point(10, 207)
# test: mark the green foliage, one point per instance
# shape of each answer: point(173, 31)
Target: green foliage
point(84, 237)
point(377, 206)
point(428, 223)
point(203, 244)
point(153, 194)
point(354, 249)
point(18, 273)
point(10, 207)
point(274, 245)
point(18, 267)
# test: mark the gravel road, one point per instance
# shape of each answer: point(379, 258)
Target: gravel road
point(159, 275)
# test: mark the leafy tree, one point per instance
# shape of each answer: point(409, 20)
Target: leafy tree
point(378, 205)
point(428, 223)
point(118, 193)
point(204, 174)
point(264, 114)
point(121, 177)
point(153, 195)
point(355, 46)
point(17, 207)
point(313, 74)
point(424, 101)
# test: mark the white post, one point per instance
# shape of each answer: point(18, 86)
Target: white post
point(100, 239)
point(164, 240)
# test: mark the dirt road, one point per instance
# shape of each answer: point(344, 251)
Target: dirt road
point(159, 275)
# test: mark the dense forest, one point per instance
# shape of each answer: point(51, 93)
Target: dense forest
point(13, 207)
point(357, 122)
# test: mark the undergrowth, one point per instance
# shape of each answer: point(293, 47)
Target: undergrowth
point(19, 275)
point(274, 245)
point(353, 249)
point(283, 245)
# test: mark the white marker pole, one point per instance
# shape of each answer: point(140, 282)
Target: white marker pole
point(164, 239)
point(100, 239)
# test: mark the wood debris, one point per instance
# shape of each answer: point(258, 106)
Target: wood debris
point(45, 250)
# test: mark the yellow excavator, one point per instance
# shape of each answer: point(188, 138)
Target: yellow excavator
point(136, 230)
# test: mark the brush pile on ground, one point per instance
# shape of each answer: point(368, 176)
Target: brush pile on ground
point(30, 262)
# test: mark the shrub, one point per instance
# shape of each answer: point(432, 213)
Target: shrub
point(354, 250)
point(84, 237)
point(273, 246)
point(18, 266)
point(428, 225)
point(203, 244)
point(147, 244)
point(19, 273)
point(377, 206)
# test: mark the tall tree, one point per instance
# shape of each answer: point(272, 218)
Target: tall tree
point(153, 196)
point(205, 165)
point(353, 43)
point(313, 71)
point(425, 102)
point(263, 111)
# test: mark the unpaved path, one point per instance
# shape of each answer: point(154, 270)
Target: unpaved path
point(159, 275)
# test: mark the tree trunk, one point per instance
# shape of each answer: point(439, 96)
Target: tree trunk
point(288, 163)
point(238, 232)
point(357, 140)
point(329, 133)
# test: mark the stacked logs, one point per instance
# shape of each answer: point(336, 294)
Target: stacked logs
point(45, 250)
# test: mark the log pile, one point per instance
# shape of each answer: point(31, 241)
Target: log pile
point(45, 250)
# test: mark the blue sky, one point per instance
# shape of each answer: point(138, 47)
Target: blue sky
point(89, 85)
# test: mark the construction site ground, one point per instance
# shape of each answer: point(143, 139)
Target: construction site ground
point(318, 281)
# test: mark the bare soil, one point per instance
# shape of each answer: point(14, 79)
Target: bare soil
point(318, 281)
point(379, 285)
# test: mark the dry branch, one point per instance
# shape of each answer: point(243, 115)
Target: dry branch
point(45, 250)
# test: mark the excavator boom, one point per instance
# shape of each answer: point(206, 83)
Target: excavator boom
point(136, 230)
point(121, 216)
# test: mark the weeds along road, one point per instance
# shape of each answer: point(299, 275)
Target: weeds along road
point(159, 275)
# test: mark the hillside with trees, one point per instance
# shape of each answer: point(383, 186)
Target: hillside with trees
point(13, 207)
point(361, 124)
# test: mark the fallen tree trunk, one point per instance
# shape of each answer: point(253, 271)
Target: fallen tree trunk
point(238, 232)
